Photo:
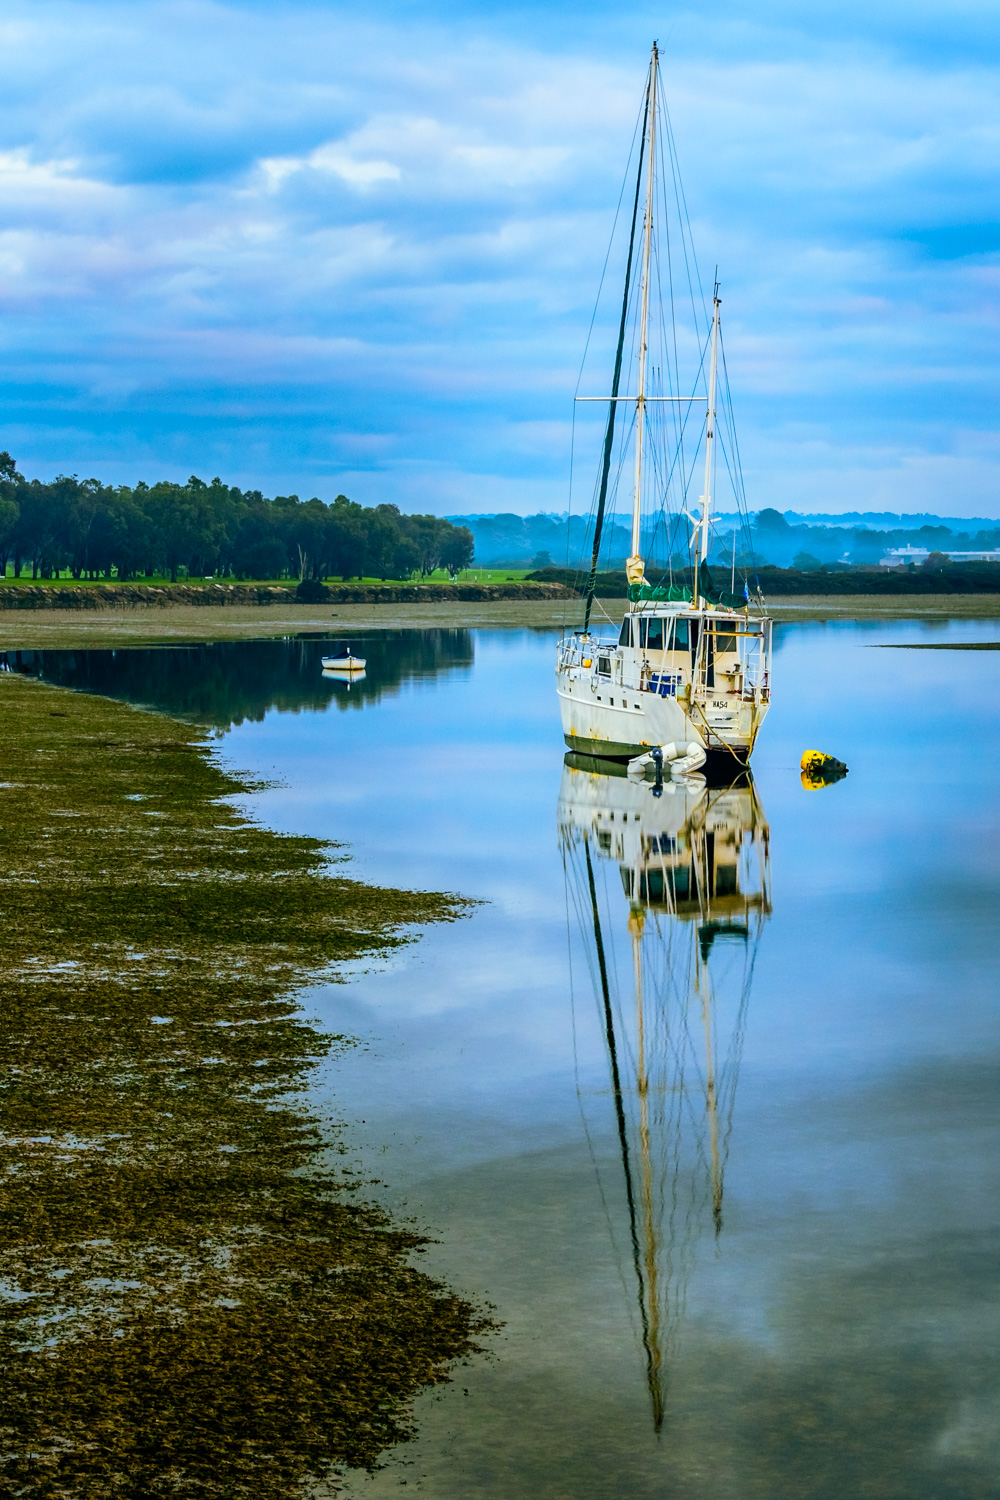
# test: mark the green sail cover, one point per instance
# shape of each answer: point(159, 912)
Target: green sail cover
point(675, 593)
point(725, 598)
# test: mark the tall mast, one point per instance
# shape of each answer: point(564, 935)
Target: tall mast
point(609, 432)
point(634, 568)
point(702, 531)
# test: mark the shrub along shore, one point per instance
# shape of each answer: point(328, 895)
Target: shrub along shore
point(96, 596)
point(943, 578)
point(196, 1300)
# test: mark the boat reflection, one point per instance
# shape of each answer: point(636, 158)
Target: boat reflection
point(350, 675)
point(670, 888)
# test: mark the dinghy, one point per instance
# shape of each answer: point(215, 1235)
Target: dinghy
point(678, 760)
point(343, 661)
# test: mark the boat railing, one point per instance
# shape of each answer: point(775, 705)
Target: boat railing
point(583, 650)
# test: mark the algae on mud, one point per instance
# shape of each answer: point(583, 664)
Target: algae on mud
point(192, 1302)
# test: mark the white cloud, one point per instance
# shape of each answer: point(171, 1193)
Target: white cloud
point(329, 158)
point(401, 228)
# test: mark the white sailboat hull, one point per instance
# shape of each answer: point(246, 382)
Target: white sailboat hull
point(595, 728)
point(634, 722)
point(614, 704)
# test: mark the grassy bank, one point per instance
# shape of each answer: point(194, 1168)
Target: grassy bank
point(439, 578)
point(195, 1304)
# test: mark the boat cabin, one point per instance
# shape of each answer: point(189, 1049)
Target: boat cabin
point(663, 652)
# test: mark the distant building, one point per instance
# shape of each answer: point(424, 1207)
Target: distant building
point(898, 557)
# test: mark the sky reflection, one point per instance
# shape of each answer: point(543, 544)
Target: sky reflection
point(839, 1335)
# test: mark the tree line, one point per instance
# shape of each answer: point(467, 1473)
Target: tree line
point(93, 530)
point(936, 575)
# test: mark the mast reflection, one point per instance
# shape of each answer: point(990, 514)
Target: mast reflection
point(670, 937)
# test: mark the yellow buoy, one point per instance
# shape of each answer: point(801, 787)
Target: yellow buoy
point(819, 769)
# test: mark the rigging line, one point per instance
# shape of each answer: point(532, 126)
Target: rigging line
point(622, 441)
point(746, 509)
point(609, 436)
point(686, 249)
point(683, 215)
point(609, 1025)
point(664, 509)
point(607, 257)
point(622, 455)
point(679, 438)
point(675, 414)
point(728, 431)
point(687, 414)
point(572, 451)
point(739, 1035)
point(733, 476)
point(678, 455)
point(729, 421)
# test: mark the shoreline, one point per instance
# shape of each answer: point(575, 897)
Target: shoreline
point(167, 624)
point(194, 1273)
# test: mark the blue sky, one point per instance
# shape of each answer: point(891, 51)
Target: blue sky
point(322, 248)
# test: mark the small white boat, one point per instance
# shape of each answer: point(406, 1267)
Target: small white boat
point(343, 662)
point(677, 760)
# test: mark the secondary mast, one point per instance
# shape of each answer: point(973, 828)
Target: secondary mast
point(701, 535)
point(634, 569)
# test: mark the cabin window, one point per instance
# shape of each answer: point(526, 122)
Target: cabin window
point(654, 635)
point(681, 638)
point(625, 639)
point(604, 665)
point(724, 642)
point(725, 880)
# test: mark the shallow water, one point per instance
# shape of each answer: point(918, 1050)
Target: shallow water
point(769, 1266)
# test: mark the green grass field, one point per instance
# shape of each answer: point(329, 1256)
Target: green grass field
point(467, 575)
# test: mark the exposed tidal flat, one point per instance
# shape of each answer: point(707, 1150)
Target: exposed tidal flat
point(732, 1190)
point(194, 1300)
point(135, 625)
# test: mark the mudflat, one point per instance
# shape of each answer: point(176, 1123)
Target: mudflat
point(142, 625)
point(198, 1300)
point(887, 607)
point(37, 629)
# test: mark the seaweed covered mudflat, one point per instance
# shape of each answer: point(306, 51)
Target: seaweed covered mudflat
point(194, 1302)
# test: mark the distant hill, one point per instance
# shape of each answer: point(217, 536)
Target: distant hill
point(777, 538)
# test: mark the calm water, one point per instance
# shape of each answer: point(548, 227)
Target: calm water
point(767, 1266)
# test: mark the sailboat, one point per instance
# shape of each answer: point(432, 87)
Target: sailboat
point(671, 940)
point(688, 670)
